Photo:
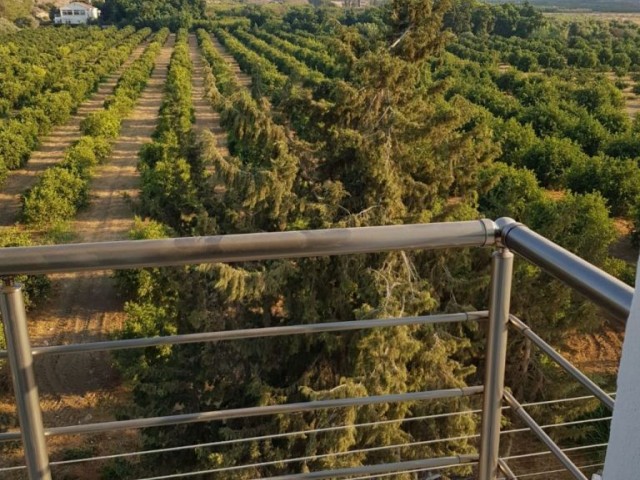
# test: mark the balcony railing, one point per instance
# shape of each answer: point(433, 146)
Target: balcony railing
point(504, 236)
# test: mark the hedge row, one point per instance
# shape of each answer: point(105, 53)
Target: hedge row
point(218, 77)
point(63, 189)
point(170, 182)
point(318, 60)
point(263, 167)
point(267, 78)
point(106, 123)
point(36, 61)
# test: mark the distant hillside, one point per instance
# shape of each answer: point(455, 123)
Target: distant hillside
point(595, 5)
point(14, 9)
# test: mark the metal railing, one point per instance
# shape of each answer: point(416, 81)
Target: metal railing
point(504, 235)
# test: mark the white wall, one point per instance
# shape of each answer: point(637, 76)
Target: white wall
point(623, 454)
point(88, 14)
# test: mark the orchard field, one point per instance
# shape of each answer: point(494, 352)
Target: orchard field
point(273, 118)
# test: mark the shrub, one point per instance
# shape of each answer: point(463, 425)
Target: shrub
point(101, 147)
point(117, 469)
point(507, 191)
point(120, 104)
point(36, 287)
point(105, 123)
point(34, 121)
point(80, 159)
point(56, 197)
point(3, 171)
point(621, 84)
point(58, 106)
point(551, 158)
point(14, 149)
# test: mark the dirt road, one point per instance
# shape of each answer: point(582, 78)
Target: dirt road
point(206, 117)
point(85, 306)
point(243, 78)
point(631, 100)
point(53, 146)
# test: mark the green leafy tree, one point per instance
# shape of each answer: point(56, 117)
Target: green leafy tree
point(550, 159)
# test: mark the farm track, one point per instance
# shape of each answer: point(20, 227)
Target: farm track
point(85, 307)
point(631, 100)
point(243, 78)
point(52, 147)
point(206, 118)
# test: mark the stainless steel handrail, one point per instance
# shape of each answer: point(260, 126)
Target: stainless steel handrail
point(606, 291)
point(603, 289)
point(506, 234)
point(244, 247)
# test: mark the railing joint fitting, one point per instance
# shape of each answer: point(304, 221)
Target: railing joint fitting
point(504, 226)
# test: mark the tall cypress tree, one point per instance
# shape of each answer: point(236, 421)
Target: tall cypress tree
point(388, 149)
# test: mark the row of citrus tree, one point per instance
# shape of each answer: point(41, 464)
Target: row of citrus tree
point(64, 188)
point(21, 130)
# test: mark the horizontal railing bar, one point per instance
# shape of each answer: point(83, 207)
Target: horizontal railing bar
point(298, 433)
point(243, 247)
point(442, 462)
point(376, 475)
point(547, 472)
point(252, 412)
point(547, 452)
point(321, 430)
point(542, 435)
point(315, 457)
point(606, 291)
point(556, 425)
point(559, 400)
point(254, 333)
point(380, 475)
point(15, 435)
point(525, 330)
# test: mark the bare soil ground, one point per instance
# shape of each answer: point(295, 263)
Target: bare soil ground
point(206, 118)
point(631, 100)
point(598, 354)
point(53, 146)
point(623, 247)
point(621, 17)
point(85, 307)
point(243, 78)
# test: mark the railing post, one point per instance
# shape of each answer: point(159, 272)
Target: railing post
point(496, 351)
point(14, 320)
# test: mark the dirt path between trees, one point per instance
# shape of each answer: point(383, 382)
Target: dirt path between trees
point(52, 147)
point(206, 118)
point(631, 100)
point(243, 78)
point(85, 307)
